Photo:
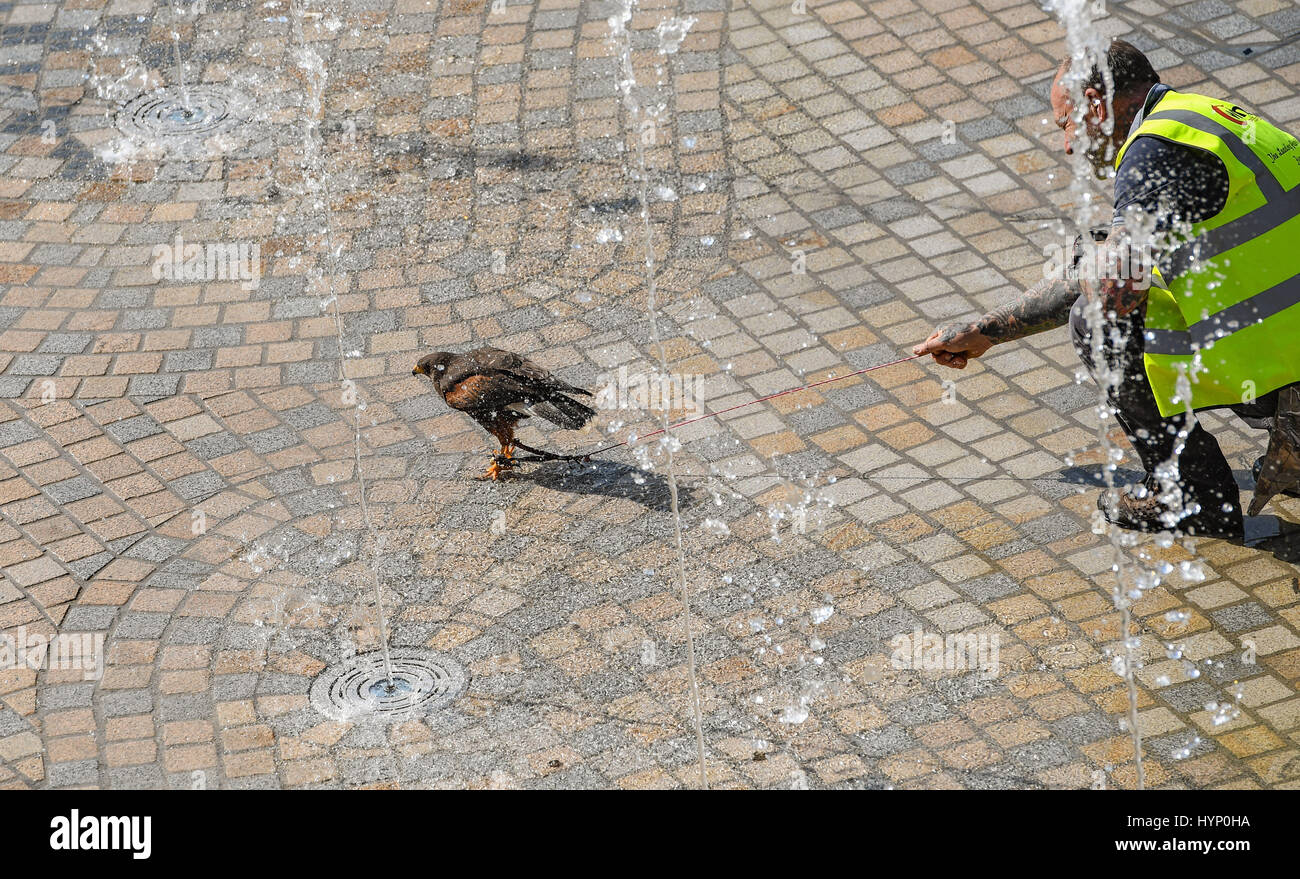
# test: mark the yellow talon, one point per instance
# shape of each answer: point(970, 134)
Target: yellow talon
point(501, 462)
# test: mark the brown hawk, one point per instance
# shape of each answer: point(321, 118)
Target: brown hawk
point(499, 389)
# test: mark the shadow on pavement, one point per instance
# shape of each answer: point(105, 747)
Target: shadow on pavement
point(1275, 535)
point(610, 479)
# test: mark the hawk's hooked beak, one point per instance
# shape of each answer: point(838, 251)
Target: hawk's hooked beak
point(415, 370)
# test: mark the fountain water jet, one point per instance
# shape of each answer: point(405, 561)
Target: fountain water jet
point(317, 179)
point(180, 67)
point(1087, 49)
point(670, 38)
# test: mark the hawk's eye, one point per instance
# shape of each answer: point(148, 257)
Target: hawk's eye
point(441, 367)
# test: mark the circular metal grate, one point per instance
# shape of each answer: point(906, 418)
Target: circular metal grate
point(164, 118)
point(357, 688)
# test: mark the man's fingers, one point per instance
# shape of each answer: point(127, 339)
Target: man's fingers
point(952, 359)
point(930, 344)
point(952, 352)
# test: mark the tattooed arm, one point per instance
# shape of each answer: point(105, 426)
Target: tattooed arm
point(1047, 305)
point(1043, 307)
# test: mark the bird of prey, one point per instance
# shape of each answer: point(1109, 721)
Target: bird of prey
point(499, 389)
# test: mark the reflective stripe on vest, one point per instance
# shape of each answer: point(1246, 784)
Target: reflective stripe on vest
point(1228, 293)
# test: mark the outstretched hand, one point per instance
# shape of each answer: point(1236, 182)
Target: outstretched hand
point(954, 345)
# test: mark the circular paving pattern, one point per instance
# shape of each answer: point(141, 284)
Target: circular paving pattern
point(358, 688)
point(169, 118)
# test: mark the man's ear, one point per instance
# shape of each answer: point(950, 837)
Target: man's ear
point(1096, 104)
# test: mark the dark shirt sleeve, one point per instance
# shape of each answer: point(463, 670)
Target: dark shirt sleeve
point(1173, 183)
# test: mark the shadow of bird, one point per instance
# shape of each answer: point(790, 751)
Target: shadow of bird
point(613, 480)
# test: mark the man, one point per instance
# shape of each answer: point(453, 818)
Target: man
point(1217, 323)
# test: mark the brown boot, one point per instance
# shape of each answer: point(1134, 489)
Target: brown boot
point(1278, 472)
point(1140, 508)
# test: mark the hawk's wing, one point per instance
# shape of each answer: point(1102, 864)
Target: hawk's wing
point(487, 393)
point(497, 362)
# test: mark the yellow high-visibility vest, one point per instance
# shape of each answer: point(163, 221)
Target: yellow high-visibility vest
point(1230, 293)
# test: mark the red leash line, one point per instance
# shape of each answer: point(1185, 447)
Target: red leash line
point(825, 381)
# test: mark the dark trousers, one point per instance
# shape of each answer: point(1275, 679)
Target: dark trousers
point(1205, 473)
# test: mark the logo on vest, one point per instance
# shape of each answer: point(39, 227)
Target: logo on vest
point(1233, 114)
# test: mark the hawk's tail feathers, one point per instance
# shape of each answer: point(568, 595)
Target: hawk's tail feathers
point(564, 411)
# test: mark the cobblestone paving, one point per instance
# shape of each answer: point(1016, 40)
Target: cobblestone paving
point(178, 459)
